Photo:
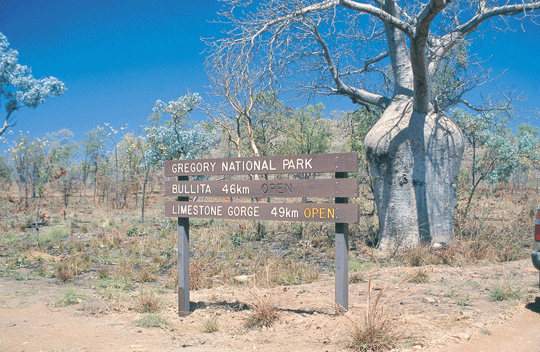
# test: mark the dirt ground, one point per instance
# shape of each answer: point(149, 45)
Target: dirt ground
point(453, 311)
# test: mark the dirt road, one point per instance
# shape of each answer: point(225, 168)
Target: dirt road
point(452, 313)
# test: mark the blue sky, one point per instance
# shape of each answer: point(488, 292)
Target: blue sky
point(118, 57)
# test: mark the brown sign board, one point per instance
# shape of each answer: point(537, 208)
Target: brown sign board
point(282, 164)
point(308, 212)
point(343, 187)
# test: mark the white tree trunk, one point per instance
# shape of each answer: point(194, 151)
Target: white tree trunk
point(414, 160)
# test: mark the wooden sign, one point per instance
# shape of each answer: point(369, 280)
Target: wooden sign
point(340, 188)
point(282, 164)
point(345, 187)
point(308, 212)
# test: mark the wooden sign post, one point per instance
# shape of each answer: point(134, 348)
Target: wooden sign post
point(341, 256)
point(183, 259)
point(341, 213)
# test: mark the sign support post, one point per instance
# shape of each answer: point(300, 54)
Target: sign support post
point(342, 256)
point(183, 260)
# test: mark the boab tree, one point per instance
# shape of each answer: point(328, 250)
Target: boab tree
point(382, 54)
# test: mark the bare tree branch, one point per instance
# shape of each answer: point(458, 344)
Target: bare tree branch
point(380, 14)
point(357, 95)
point(343, 47)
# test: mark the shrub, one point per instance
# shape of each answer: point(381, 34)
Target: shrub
point(417, 277)
point(64, 271)
point(132, 231)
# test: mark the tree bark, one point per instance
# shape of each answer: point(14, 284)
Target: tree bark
point(414, 161)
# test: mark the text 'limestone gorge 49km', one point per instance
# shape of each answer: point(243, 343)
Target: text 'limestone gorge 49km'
point(309, 212)
point(339, 162)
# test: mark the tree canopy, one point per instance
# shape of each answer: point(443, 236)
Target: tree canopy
point(18, 88)
point(345, 47)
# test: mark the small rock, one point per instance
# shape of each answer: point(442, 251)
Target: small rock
point(429, 299)
point(242, 278)
point(463, 336)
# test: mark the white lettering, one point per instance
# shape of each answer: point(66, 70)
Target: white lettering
point(288, 164)
point(243, 211)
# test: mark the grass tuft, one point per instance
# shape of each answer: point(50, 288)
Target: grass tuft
point(70, 297)
point(210, 325)
point(506, 292)
point(153, 320)
point(376, 332)
point(149, 301)
point(417, 277)
point(264, 313)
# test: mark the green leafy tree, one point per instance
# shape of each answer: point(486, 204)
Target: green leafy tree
point(62, 153)
point(356, 124)
point(307, 132)
point(527, 136)
point(270, 117)
point(92, 156)
point(18, 88)
point(176, 138)
point(130, 161)
point(114, 136)
point(28, 158)
point(496, 152)
point(6, 171)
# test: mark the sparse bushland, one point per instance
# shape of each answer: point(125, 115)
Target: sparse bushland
point(128, 271)
point(496, 229)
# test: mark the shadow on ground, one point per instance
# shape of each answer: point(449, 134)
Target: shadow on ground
point(534, 306)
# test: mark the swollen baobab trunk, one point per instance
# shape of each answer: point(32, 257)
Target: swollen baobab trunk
point(414, 160)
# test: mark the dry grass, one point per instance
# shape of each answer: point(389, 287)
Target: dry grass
point(506, 291)
point(210, 325)
point(149, 301)
point(377, 330)
point(263, 310)
point(132, 265)
point(418, 276)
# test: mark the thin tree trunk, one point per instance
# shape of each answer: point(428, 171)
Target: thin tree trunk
point(37, 219)
point(143, 201)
